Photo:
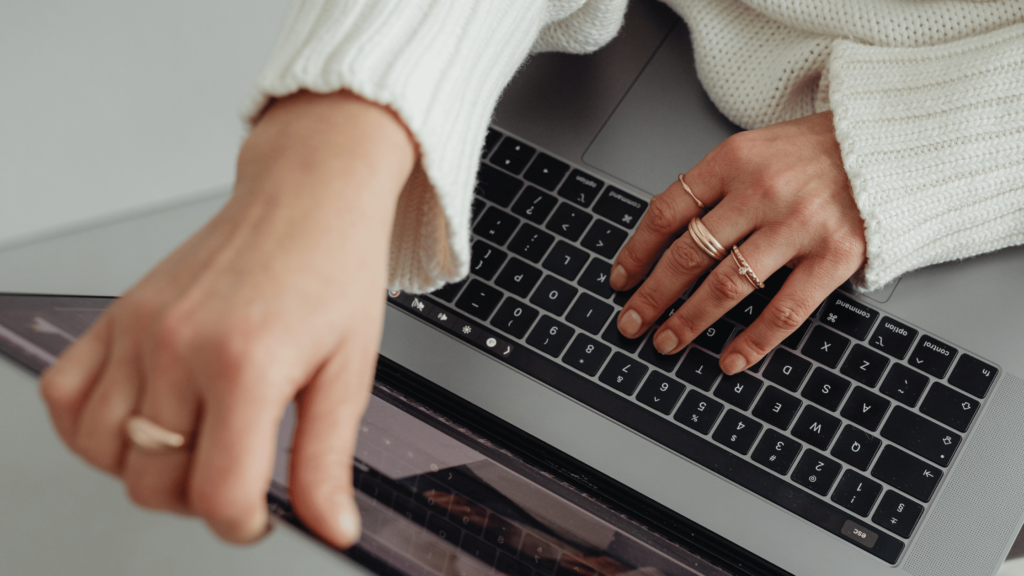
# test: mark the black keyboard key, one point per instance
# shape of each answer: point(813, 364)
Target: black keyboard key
point(580, 188)
point(826, 389)
point(774, 283)
point(897, 514)
point(864, 365)
point(738, 389)
point(893, 337)
point(491, 140)
point(622, 297)
point(932, 356)
point(496, 226)
point(498, 187)
point(518, 277)
point(448, 292)
point(816, 427)
point(815, 472)
point(848, 316)
point(698, 412)
point(553, 295)
point(620, 207)
point(776, 452)
point(737, 431)
point(856, 447)
point(531, 243)
point(604, 239)
point(510, 566)
point(748, 309)
point(973, 376)
point(444, 529)
point(650, 354)
point(950, 407)
point(907, 473)
point(485, 260)
point(921, 436)
point(546, 171)
point(904, 385)
point(865, 408)
point(478, 209)
point(660, 392)
point(699, 369)
point(539, 553)
point(612, 336)
point(569, 221)
point(715, 336)
point(793, 340)
point(502, 533)
point(589, 313)
point(478, 549)
point(534, 204)
point(787, 369)
point(623, 373)
point(586, 354)
point(514, 318)
point(825, 346)
point(512, 155)
point(856, 493)
point(776, 408)
point(595, 278)
point(550, 336)
point(410, 509)
point(566, 260)
point(479, 300)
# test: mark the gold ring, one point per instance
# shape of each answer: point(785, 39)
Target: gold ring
point(745, 270)
point(703, 238)
point(151, 437)
point(690, 192)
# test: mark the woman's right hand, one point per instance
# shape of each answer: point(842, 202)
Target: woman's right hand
point(280, 295)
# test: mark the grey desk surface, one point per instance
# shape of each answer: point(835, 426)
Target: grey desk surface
point(108, 107)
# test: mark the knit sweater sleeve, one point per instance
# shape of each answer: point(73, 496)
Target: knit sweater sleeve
point(933, 142)
point(441, 66)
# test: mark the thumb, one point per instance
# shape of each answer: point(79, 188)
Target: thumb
point(330, 410)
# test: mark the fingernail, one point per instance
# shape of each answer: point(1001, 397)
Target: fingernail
point(629, 323)
point(618, 277)
point(666, 342)
point(733, 363)
point(350, 523)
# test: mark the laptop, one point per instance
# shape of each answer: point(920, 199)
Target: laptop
point(884, 437)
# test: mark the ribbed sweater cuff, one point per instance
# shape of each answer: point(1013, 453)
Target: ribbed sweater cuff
point(440, 66)
point(933, 141)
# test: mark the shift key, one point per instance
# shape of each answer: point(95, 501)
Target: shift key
point(921, 436)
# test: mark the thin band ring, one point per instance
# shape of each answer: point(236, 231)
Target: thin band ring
point(745, 270)
point(151, 437)
point(692, 195)
point(703, 238)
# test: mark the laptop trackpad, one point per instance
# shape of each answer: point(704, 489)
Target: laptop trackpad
point(664, 125)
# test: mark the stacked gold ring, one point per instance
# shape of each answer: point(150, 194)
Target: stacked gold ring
point(700, 234)
point(745, 270)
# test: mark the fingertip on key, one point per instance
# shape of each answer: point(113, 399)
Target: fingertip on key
point(618, 277)
point(666, 341)
point(733, 363)
point(630, 323)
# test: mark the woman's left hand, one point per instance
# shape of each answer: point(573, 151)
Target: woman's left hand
point(782, 195)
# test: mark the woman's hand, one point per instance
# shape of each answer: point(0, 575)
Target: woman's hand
point(281, 294)
point(782, 194)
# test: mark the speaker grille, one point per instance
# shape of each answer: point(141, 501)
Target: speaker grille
point(982, 503)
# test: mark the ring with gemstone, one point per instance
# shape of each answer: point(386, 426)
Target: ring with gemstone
point(744, 269)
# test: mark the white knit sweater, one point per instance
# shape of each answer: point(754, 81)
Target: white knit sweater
point(927, 97)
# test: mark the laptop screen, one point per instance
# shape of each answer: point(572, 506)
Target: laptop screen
point(435, 499)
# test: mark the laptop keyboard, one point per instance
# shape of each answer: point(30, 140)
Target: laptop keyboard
point(850, 424)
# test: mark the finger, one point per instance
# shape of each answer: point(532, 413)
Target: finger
point(680, 266)
point(159, 480)
point(233, 459)
point(100, 435)
point(330, 410)
point(667, 215)
point(807, 286)
point(66, 385)
point(765, 251)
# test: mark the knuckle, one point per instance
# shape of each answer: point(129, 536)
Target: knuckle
point(726, 287)
point(684, 258)
point(784, 317)
point(661, 215)
point(738, 148)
